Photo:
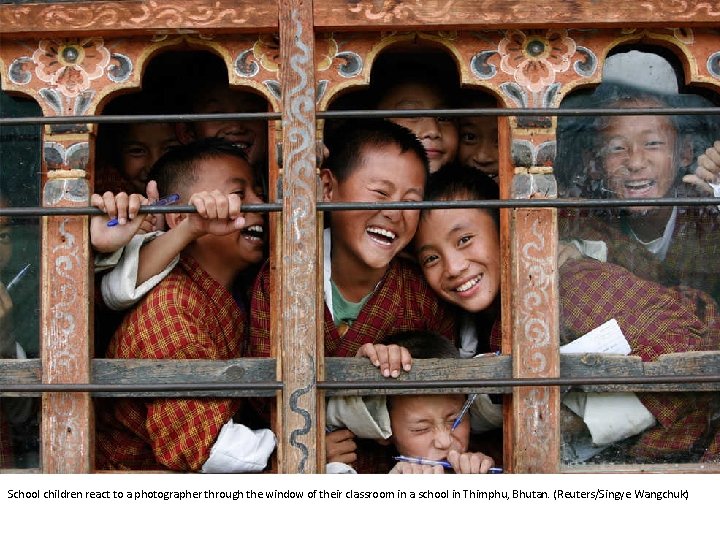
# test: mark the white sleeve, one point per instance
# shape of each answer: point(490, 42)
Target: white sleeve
point(239, 449)
point(610, 417)
point(595, 249)
point(106, 261)
point(120, 289)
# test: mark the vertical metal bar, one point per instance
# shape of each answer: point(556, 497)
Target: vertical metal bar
point(300, 323)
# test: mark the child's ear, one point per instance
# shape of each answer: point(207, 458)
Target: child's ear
point(328, 184)
point(184, 132)
point(174, 219)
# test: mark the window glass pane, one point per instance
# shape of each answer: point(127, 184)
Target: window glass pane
point(648, 267)
point(19, 271)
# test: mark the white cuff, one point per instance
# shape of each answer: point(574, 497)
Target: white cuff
point(595, 249)
point(335, 467)
point(120, 290)
point(239, 449)
point(105, 261)
point(610, 417)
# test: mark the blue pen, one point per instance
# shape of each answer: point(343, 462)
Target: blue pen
point(14, 281)
point(442, 462)
point(468, 403)
point(170, 199)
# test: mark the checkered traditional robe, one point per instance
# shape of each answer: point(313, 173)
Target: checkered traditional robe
point(655, 320)
point(402, 301)
point(188, 315)
point(690, 261)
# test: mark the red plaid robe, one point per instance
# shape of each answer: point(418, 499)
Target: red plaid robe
point(694, 245)
point(402, 301)
point(655, 320)
point(188, 315)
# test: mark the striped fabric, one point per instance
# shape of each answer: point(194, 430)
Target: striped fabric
point(187, 316)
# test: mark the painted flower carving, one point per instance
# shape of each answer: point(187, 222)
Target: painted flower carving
point(70, 64)
point(534, 59)
point(267, 51)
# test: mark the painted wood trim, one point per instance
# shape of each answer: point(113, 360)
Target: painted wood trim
point(141, 17)
point(298, 275)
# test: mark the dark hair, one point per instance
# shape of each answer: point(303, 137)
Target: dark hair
point(455, 182)
point(347, 146)
point(176, 170)
point(394, 74)
point(423, 344)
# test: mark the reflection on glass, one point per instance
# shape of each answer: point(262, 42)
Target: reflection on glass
point(19, 271)
point(649, 268)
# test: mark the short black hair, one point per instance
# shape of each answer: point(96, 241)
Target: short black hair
point(176, 172)
point(456, 182)
point(423, 344)
point(347, 146)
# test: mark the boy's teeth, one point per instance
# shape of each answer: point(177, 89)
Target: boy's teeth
point(468, 284)
point(255, 228)
point(381, 232)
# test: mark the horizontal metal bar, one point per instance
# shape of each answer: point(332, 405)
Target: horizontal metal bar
point(36, 211)
point(384, 113)
point(165, 387)
point(545, 381)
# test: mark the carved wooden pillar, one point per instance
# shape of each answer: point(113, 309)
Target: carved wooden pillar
point(67, 418)
point(535, 410)
point(302, 322)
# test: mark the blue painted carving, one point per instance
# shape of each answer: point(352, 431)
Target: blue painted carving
point(19, 71)
point(245, 65)
point(120, 68)
point(480, 66)
point(585, 67)
point(353, 63)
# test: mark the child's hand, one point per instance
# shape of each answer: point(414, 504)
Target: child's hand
point(567, 251)
point(340, 446)
point(388, 358)
point(707, 173)
point(7, 336)
point(124, 208)
point(415, 468)
point(470, 462)
point(217, 213)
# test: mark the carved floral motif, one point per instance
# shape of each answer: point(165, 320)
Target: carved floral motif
point(534, 59)
point(70, 64)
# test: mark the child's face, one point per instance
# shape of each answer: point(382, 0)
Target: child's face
point(638, 156)
point(439, 136)
point(479, 144)
point(250, 135)
point(373, 237)
point(421, 425)
point(244, 247)
point(141, 147)
point(459, 253)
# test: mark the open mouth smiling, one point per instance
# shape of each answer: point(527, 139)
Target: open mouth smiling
point(381, 236)
point(253, 233)
point(469, 284)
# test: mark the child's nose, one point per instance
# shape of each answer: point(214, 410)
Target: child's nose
point(636, 158)
point(428, 127)
point(455, 264)
point(443, 437)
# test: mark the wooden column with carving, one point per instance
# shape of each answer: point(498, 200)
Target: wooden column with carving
point(301, 326)
point(67, 418)
point(534, 425)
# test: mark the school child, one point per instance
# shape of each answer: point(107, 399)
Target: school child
point(478, 146)
point(127, 152)
point(458, 251)
point(192, 314)
point(412, 426)
point(641, 157)
point(415, 88)
point(369, 293)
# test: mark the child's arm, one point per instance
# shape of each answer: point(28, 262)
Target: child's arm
point(217, 214)
point(470, 462)
point(340, 447)
point(389, 359)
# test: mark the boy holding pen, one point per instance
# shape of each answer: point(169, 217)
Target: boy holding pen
point(192, 314)
point(369, 292)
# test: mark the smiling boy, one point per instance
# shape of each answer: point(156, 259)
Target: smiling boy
point(192, 314)
point(369, 292)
